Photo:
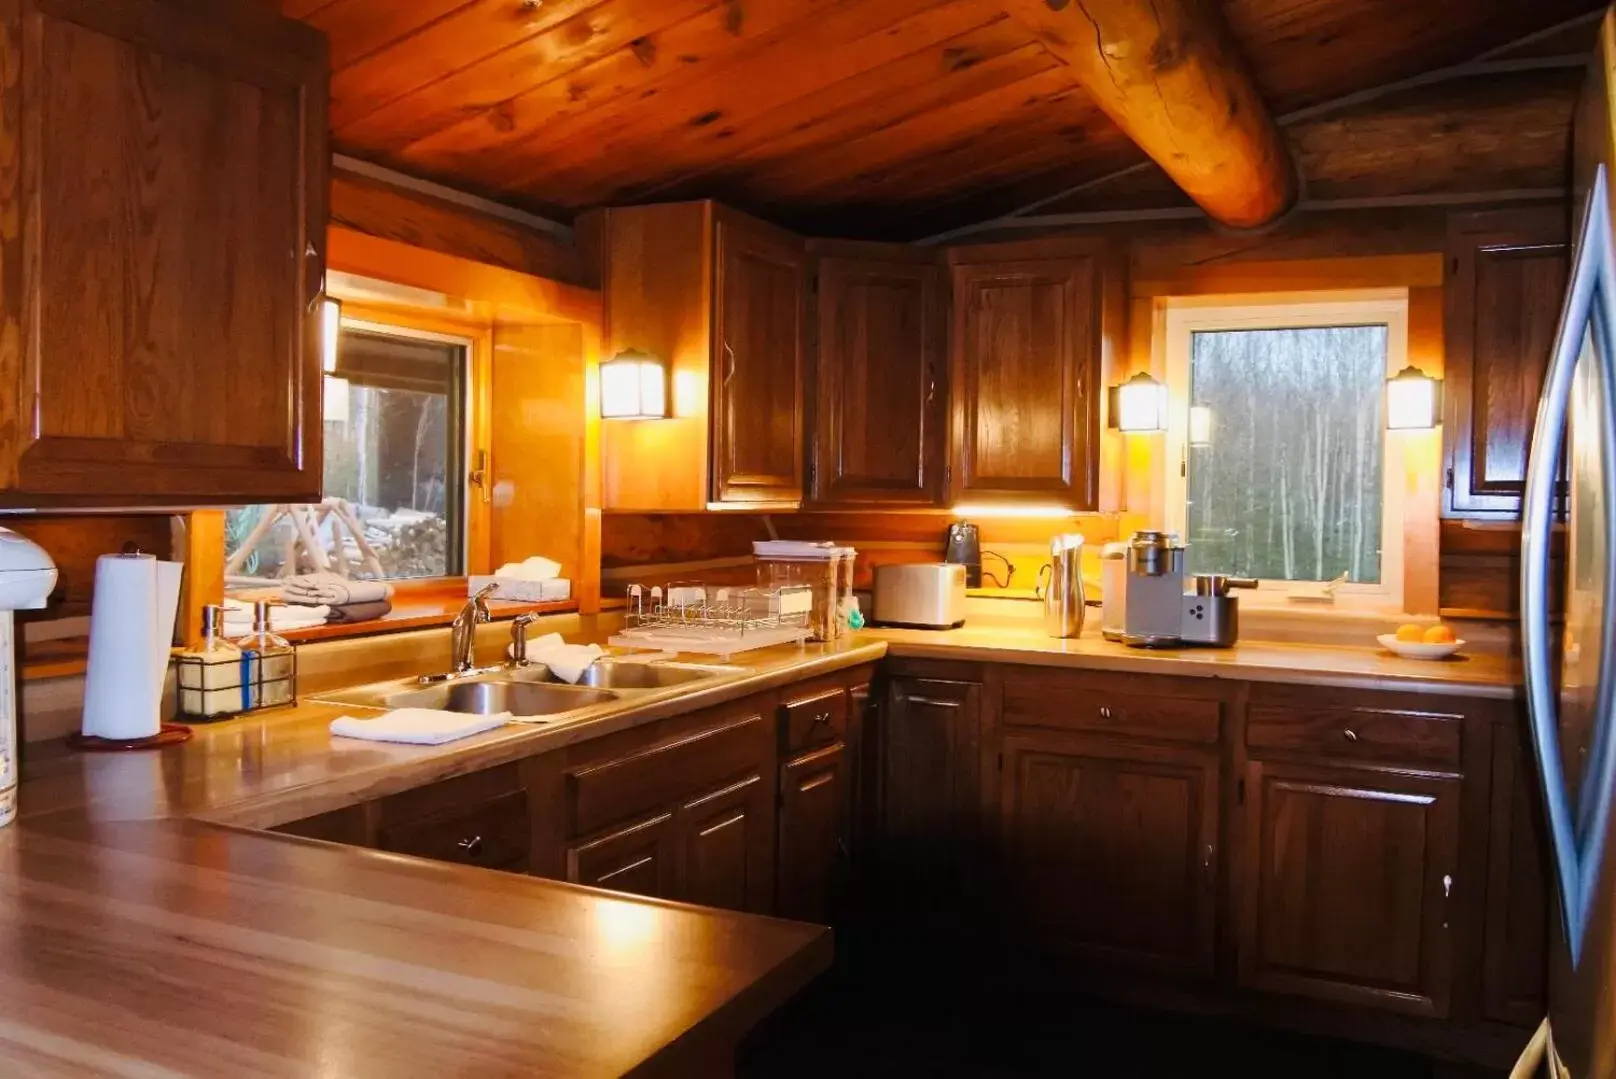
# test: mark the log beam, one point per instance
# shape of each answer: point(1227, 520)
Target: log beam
point(1170, 75)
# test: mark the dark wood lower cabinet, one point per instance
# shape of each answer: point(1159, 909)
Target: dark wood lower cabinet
point(1515, 937)
point(725, 847)
point(1347, 885)
point(930, 746)
point(636, 858)
point(1110, 850)
point(813, 847)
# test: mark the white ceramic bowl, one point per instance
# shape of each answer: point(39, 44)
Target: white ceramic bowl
point(1418, 649)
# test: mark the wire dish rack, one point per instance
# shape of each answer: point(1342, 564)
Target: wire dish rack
point(715, 621)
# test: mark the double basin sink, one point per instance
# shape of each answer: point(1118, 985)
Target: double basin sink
point(527, 692)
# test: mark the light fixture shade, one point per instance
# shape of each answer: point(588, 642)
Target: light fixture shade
point(330, 332)
point(1413, 401)
point(1139, 405)
point(633, 386)
point(1200, 425)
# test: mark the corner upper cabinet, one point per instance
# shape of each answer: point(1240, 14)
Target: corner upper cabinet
point(162, 264)
point(1028, 330)
point(719, 297)
point(1506, 276)
point(880, 394)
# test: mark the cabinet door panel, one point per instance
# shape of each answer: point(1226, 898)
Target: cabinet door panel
point(1111, 851)
point(725, 846)
point(637, 859)
point(1506, 277)
point(1347, 885)
point(1516, 936)
point(930, 771)
point(814, 793)
point(879, 394)
point(757, 365)
point(1026, 374)
point(164, 283)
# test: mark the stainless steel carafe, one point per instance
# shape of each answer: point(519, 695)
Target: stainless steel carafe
point(1062, 592)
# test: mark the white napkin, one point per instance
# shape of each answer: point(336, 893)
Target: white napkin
point(530, 569)
point(547, 643)
point(417, 726)
point(567, 662)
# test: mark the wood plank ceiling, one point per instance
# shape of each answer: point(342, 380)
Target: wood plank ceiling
point(897, 118)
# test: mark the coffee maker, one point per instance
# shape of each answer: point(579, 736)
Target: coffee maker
point(1160, 613)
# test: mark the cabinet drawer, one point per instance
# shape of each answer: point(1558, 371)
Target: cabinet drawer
point(815, 721)
point(492, 834)
point(450, 797)
point(1078, 702)
point(645, 781)
point(1393, 735)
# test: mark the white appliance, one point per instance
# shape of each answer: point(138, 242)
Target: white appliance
point(27, 576)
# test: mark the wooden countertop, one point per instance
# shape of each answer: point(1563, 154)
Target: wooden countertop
point(147, 931)
point(1465, 675)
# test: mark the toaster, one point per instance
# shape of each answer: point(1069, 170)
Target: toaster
point(923, 595)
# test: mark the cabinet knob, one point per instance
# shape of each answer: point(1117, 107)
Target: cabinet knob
point(822, 717)
point(472, 845)
point(1105, 713)
point(1349, 734)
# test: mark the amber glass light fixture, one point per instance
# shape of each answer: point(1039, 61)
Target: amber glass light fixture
point(633, 386)
point(1139, 405)
point(1413, 401)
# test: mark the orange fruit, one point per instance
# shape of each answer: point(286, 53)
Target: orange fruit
point(1439, 635)
point(1410, 633)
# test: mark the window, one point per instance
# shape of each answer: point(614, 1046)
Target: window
point(395, 466)
point(1280, 458)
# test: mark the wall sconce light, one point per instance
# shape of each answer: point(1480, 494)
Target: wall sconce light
point(633, 386)
point(1139, 405)
point(1200, 425)
point(1413, 401)
point(330, 331)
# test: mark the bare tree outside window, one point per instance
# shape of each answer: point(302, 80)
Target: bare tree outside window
point(1284, 475)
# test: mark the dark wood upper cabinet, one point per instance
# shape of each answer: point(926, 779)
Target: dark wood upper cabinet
point(1110, 849)
point(757, 363)
point(1025, 368)
point(162, 270)
point(1507, 273)
point(1348, 885)
point(879, 393)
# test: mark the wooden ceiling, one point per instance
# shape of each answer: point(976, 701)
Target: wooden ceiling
point(899, 118)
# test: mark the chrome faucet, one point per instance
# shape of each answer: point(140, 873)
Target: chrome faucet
point(464, 631)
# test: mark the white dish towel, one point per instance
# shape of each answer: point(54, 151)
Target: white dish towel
point(417, 726)
point(567, 662)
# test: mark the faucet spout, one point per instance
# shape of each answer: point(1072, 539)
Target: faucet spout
point(464, 631)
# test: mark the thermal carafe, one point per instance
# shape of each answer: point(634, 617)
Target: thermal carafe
point(1062, 588)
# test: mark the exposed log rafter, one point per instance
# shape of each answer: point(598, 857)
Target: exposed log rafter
point(1171, 77)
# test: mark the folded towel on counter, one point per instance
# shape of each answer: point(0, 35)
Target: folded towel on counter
point(238, 618)
point(417, 726)
point(330, 589)
point(344, 613)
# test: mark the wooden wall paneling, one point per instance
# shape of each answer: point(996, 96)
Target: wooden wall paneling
point(1480, 570)
point(358, 28)
point(538, 445)
point(657, 276)
point(372, 206)
point(1507, 272)
point(182, 263)
point(551, 50)
point(75, 542)
point(879, 377)
point(1198, 113)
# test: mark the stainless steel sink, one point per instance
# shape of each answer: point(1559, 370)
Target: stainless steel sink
point(487, 698)
point(643, 676)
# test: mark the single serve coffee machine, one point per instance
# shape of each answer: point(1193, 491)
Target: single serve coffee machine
point(1161, 613)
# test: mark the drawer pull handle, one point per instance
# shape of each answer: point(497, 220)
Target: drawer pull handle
point(822, 717)
point(473, 845)
point(1105, 713)
point(1350, 735)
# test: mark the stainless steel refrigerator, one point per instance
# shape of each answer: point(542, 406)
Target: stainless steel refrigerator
point(1570, 660)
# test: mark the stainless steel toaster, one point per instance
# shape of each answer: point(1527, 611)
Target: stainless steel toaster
point(925, 595)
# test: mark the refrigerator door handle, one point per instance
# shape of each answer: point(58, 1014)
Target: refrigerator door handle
point(1578, 840)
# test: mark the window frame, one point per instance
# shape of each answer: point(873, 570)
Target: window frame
point(1184, 316)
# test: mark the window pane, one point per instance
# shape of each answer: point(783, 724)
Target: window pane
point(394, 428)
point(1284, 474)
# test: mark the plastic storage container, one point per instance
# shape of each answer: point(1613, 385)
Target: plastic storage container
point(825, 568)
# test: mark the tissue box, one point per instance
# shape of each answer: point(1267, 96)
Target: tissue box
point(509, 588)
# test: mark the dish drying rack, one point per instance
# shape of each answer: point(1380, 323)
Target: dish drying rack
point(715, 621)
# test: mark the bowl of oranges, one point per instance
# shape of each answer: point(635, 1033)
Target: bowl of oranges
point(1413, 641)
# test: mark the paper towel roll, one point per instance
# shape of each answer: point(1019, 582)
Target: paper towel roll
point(131, 628)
